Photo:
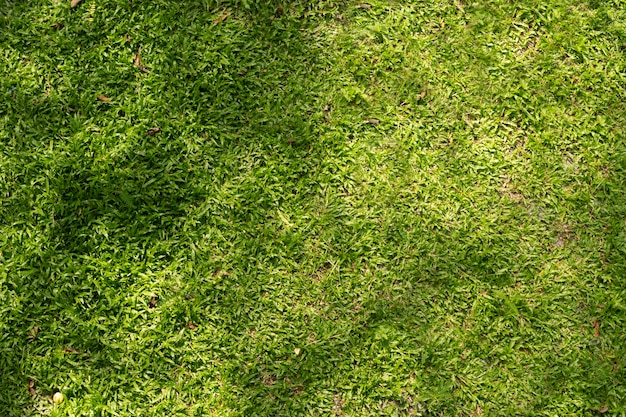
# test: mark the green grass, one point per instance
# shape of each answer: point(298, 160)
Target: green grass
point(412, 209)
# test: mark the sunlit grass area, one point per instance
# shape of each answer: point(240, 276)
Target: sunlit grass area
point(313, 208)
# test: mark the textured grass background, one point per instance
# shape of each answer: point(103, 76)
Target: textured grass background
point(399, 208)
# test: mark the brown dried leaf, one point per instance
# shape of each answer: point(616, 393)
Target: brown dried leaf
point(103, 98)
point(221, 18)
point(596, 326)
point(31, 388)
point(32, 335)
point(74, 3)
point(421, 96)
point(137, 61)
point(365, 6)
point(373, 121)
point(600, 410)
point(153, 302)
point(70, 349)
point(137, 58)
point(268, 380)
point(153, 131)
point(191, 325)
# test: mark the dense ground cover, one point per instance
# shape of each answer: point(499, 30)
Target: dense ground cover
point(313, 208)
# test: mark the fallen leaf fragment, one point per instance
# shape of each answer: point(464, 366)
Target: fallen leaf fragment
point(596, 326)
point(153, 302)
point(104, 98)
point(373, 121)
point(221, 18)
point(70, 349)
point(31, 388)
point(365, 6)
point(137, 61)
point(600, 410)
point(421, 96)
point(191, 325)
point(153, 131)
point(297, 351)
point(137, 57)
point(32, 335)
point(74, 3)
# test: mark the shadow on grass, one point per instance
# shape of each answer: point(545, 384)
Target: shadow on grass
point(102, 190)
